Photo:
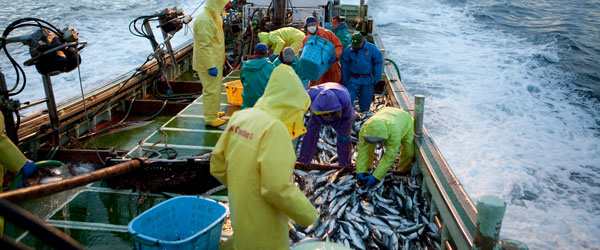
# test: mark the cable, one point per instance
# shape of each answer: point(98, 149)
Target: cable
point(138, 70)
point(198, 7)
point(20, 23)
point(85, 109)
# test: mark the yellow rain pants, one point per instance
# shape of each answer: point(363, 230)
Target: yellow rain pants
point(255, 159)
point(209, 52)
point(397, 128)
point(11, 158)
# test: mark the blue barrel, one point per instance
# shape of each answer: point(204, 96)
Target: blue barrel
point(315, 57)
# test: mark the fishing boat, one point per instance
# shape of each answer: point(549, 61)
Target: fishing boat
point(140, 139)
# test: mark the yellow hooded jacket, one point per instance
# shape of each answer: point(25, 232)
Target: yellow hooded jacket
point(277, 40)
point(209, 41)
point(11, 157)
point(255, 159)
point(396, 127)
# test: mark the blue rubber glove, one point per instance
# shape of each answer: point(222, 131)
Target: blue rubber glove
point(28, 169)
point(213, 71)
point(272, 57)
point(361, 178)
point(332, 59)
point(371, 180)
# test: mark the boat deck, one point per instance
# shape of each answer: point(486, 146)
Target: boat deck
point(97, 216)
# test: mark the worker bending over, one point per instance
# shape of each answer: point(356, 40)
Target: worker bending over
point(392, 127)
point(255, 75)
point(278, 39)
point(13, 160)
point(334, 72)
point(330, 105)
point(255, 159)
point(209, 57)
point(362, 66)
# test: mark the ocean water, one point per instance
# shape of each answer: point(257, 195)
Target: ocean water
point(512, 100)
point(512, 93)
point(111, 51)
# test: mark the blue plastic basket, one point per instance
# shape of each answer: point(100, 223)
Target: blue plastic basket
point(185, 222)
point(316, 53)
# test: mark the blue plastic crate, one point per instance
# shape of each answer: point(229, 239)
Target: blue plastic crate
point(185, 222)
point(315, 57)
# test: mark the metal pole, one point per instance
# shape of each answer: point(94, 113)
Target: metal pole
point(151, 34)
point(170, 49)
point(9, 121)
point(29, 193)
point(418, 115)
point(51, 103)
point(490, 212)
point(279, 7)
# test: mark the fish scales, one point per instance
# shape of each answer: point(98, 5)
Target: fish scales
point(374, 218)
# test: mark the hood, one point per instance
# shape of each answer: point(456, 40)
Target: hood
point(216, 5)
point(374, 127)
point(255, 64)
point(342, 26)
point(286, 99)
point(326, 101)
point(264, 37)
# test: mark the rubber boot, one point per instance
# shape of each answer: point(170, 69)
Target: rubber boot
point(217, 123)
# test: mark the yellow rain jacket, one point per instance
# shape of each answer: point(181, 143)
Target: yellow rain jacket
point(209, 52)
point(281, 38)
point(11, 158)
point(396, 127)
point(255, 159)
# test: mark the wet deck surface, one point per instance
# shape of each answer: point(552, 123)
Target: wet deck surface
point(186, 132)
point(97, 216)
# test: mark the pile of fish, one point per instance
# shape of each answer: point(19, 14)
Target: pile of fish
point(390, 215)
point(326, 152)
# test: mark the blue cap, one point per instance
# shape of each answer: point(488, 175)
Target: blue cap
point(309, 19)
point(260, 47)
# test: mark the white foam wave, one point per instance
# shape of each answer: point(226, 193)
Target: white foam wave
point(508, 123)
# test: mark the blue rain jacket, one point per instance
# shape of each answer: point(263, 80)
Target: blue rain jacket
point(361, 66)
point(255, 76)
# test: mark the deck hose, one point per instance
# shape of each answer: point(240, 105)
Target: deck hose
point(395, 66)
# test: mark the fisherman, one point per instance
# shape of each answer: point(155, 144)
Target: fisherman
point(255, 159)
point(334, 72)
point(209, 57)
point(340, 30)
point(13, 160)
point(255, 75)
point(362, 66)
point(330, 105)
point(391, 127)
point(292, 60)
point(284, 37)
